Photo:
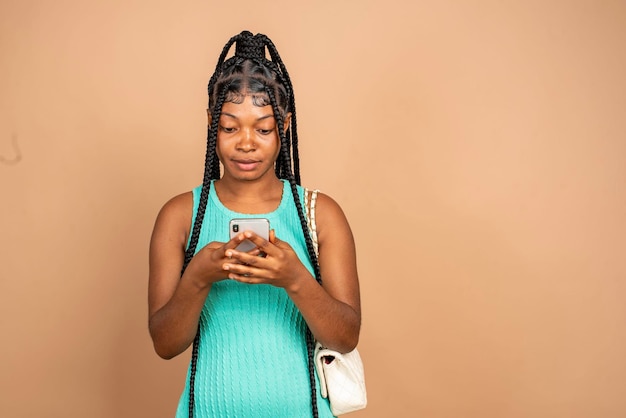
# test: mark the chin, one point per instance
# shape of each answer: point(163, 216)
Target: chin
point(246, 176)
point(251, 175)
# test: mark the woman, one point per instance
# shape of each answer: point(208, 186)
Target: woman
point(252, 317)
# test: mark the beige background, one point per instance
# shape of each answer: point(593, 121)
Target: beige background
point(477, 147)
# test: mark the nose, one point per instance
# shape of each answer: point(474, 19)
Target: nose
point(246, 140)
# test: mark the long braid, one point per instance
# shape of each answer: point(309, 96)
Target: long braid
point(294, 140)
point(192, 372)
point(283, 168)
point(292, 104)
point(211, 172)
point(310, 341)
point(211, 163)
point(281, 80)
point(290, 177)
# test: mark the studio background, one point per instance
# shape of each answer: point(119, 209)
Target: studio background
point(477, 147)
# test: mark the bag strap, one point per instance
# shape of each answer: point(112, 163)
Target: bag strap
point(310, 216)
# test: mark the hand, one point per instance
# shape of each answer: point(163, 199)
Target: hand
point(272, 262)
point(207, 265)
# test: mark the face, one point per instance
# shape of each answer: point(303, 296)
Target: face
point(247, 140)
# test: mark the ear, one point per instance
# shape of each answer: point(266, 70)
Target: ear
point(208, 116)
point(287, 121)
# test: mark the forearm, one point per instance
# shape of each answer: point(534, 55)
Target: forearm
point(174, 326)
point(334, 324)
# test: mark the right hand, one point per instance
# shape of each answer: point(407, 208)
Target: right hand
point(206, 267)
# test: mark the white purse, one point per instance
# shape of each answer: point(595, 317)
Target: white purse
point(342, 378)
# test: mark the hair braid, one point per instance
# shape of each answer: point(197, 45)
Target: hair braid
point(294, 140)
point(220, 61)
point(192, 374)
point(211, 163)
point(279, 167)
point(310, 351)
point(289, 176)
point(292, 104)
point(310, 343)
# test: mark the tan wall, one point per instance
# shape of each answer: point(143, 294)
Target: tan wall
point(477, 147)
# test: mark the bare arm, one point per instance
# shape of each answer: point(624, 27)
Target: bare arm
point(332, 311)
point(175, 302)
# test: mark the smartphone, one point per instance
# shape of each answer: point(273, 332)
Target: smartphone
point(260, 226)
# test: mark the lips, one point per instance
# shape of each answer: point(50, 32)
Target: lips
point(246, 165)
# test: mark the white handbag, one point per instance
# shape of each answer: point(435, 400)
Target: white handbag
point(342, 378)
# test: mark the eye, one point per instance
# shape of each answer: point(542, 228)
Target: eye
point(265, 131)
point(227, 129)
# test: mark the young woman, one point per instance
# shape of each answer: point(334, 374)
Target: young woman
point(252, 317)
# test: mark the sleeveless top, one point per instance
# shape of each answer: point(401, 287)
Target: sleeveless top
point(252, 357)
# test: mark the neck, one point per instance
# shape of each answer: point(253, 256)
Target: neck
point(258, 196)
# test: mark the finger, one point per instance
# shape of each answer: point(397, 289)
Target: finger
point(278, 243)
point(242, 278)
point(232, 244)
point(261, 243)
point(240, 271)
point(247, 259)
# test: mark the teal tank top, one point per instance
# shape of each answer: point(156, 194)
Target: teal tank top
point(252, 357)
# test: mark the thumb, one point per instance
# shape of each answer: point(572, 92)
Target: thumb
point(274, 239)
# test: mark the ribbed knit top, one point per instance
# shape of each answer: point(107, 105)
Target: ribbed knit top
point(252, 357)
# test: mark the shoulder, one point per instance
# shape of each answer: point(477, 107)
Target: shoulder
point(177, 205)
point(328, 213)
point(174, 218)
point(327, 205)
point(322, 202)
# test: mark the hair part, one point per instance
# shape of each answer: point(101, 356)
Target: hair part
point(245, 77)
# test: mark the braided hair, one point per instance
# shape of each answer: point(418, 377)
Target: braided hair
point(250, 73)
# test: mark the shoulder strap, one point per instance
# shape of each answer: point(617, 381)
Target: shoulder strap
point(310, 216)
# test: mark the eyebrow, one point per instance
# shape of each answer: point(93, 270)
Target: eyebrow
point(270, 115)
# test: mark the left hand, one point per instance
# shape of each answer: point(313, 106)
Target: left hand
point(279, 267)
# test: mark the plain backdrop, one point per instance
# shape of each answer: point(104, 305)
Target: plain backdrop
point(477, 147)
